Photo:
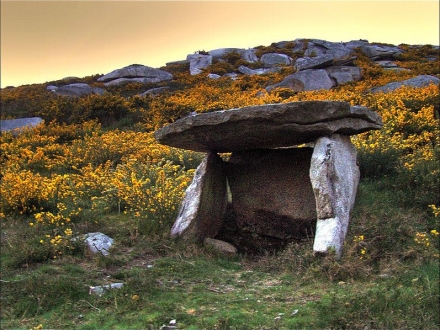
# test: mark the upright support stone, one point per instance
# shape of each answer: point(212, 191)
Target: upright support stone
point(202, 210)
point(334, 175)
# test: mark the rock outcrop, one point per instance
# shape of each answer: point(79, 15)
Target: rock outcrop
point(317, 65)
point(16, 125)
point(77, 90)
point(314, 79)
point(277, 188)
point(247, 71)
point(380, 52)
point(344, 74)
point(419, 81)
point(198, 62)
point(270, 60)
point(319, 62)
point(135, 73)
point(156, 91)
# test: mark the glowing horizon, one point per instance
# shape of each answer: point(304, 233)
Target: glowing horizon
point(43, 41)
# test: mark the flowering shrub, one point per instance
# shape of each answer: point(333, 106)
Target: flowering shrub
point(361, 246)
point(59, 177)
point(150, 193)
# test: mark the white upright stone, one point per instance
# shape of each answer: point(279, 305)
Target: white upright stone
point(334, 175)
point(204, 204)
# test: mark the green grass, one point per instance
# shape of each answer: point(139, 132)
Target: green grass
point(394, 287)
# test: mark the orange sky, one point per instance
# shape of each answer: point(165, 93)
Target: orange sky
point(50, 40)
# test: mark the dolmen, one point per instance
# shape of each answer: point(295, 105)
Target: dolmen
point(291, 172)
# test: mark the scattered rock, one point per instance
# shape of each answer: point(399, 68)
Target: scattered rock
point(380, 52)
point(294, 84)
point(231, 75)
point(344, 74)
point(136, 73)
point(51, 88)
point(386, 64)
point(100, 290)
point(99, 243)
point(214, 76)
point(304, 63)
point(270, 60)
point(353, 44)
point(221, 52)
point(221, 246)
point(18, 125)
point(155, 91)
point(78, 90)
point(419, 81)
point(249, 56)
point(313, 79)
point(123, 81)
point(198, 62)
point(180, 62)
point(322, 50)
point(245, 70)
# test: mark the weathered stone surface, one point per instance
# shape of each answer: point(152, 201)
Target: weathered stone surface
point(78, 90)
point(198, 62)
point(245, 70)
point(344, 74)
point(51, 88)
point(322, 50)
point(249, 56)
point(123, 81)
point(386, 64)
point(289, 82)
point(231, 75)
point(204, 204)
point(380, 52)
point(180, 62)
point(214, 76)
point(149, 75)
point(267, 126)
point(334, 175)
point(355, 43)
point(274, 59)
point(220, 246)
point(314, 79)
point(17, 125)
point(271, 192)
point(419, 81)
point(304, 63)
point(155, 91)
point(99, 243)
point(221, 52)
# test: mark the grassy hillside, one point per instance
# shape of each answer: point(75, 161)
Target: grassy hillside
point(95, 166)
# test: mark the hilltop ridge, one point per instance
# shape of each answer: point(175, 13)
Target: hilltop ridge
point(277, 71)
